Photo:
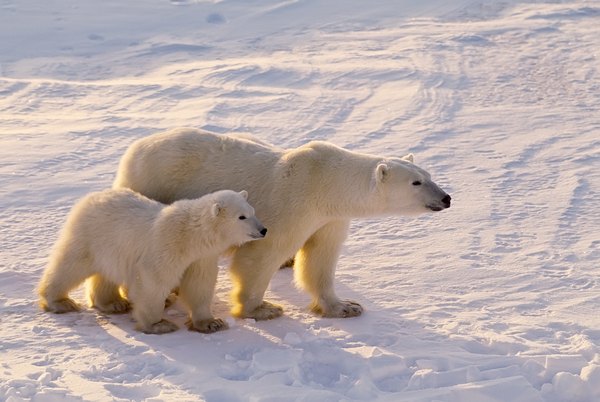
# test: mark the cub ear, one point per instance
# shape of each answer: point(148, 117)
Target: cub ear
point(244, 194)
point(216, 210)
point(381, 172)
point(409, 158)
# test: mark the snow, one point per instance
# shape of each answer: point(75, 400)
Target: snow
point(495, 299)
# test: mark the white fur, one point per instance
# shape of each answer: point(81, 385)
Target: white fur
point(306, 196)
point(119, 237)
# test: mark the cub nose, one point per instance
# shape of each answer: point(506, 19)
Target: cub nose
point(446, 200)
point(263, 232)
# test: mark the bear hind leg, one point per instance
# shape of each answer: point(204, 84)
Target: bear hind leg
point(105, 296)
point(67, 269)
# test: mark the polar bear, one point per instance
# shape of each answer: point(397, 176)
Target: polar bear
point(120, 236)
point(306, 196)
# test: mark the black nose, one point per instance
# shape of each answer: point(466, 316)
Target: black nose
point(263, 232)
point(446, 200)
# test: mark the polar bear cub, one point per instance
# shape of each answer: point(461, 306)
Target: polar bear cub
point(144, 246)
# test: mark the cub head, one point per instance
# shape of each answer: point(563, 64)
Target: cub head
point(236, 217)
point(406, 189)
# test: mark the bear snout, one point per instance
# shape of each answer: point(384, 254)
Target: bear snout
point(446, 201)
point(440, 205)
point(260, 233)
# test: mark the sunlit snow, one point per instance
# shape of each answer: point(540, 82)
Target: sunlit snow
point(495, 299)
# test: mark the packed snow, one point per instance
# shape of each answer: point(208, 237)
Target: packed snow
point(495, 299)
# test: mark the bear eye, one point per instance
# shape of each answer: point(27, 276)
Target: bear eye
point(416, 183)
point(242, 217)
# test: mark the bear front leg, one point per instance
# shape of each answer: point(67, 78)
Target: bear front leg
point(196, 290)
point(314, 270)
point(252, 268)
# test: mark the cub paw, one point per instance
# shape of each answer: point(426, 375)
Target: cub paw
point(341, 309)
point(207, 326)
point(120, 306)
point(60, 306)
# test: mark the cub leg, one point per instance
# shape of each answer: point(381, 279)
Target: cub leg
point(104, 295)
point(67, 269)
point(196, 290)
point(314, 270)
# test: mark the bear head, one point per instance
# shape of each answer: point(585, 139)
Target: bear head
point(406, 189)
point(235, 217)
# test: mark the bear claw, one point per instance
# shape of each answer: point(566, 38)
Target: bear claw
point(161, 327)
point(266, 311)
point(342, 309)
point(207, 326)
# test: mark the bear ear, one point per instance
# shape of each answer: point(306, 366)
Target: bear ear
point(409, 158)
point(244, 194)
point(381, 172)
point(216, 210)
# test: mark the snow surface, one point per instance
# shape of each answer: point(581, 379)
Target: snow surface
point(495, 299)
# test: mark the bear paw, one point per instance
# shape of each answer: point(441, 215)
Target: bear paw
point(61, 306)
point(207, 326)
point(161, 327)
point(342, 309)
point(115, 307)
point(266, 311)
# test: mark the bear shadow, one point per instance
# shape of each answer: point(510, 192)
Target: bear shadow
point(299, 348)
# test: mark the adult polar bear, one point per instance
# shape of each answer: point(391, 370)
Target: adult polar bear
point(306, 197)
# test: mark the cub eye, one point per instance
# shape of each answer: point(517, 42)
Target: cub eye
point(416, 183)
point(242, 217)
